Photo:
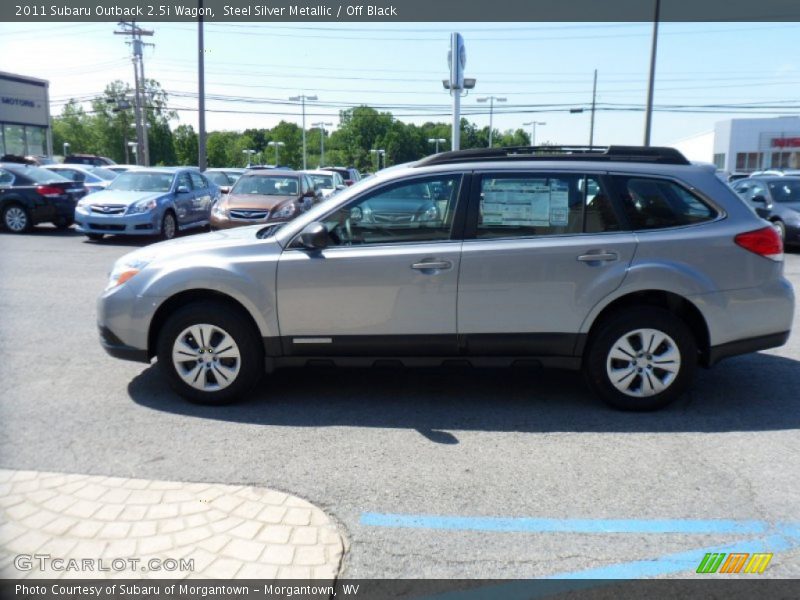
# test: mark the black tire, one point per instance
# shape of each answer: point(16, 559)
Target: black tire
point(643, 376)
point(95, 237)
point(16, 218)
point(63, 223)
point(169, 226)
point(221, 319)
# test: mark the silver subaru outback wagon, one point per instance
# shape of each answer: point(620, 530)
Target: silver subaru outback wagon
point(628, 263)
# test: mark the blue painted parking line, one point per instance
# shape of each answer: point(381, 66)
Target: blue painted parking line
point(528, 525)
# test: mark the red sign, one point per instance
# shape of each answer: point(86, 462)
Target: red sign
point(792, 142)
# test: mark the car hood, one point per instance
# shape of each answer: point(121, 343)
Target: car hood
point(162, 251)
point(256, 201)
point(121, 197)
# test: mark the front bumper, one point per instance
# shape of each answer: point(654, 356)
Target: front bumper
point(138, 224)
point(123, 319)
point(114, 346)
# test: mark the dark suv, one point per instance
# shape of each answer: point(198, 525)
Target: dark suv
point(88, 159)
point(349, 174)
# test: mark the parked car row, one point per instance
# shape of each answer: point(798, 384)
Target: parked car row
point(162, 201)
point(775, 198)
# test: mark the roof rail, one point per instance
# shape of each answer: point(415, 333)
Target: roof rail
point(642, 154)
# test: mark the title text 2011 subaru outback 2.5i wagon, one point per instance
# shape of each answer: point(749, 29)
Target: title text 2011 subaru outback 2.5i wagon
point(628, 263)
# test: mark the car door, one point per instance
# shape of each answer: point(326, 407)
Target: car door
point(202, 197)
point(540, 250)
point(184, 201)
point(386, 284)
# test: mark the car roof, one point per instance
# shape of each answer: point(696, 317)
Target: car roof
point(317, 172)
point(272, 172)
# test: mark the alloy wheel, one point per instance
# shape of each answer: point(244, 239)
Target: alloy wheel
point(206, 357)
point(643, 363)
point(16, 219)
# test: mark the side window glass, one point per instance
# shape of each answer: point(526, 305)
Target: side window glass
point(657, 203)
point(533, 205)
point(600, 216)
point(197, 181)
point(6, 178)
point(419, 211)
point(183, 179)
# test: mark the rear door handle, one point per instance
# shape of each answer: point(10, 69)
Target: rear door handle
point(434, 265)
point(600, 256)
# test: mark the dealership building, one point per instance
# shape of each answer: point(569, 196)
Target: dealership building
point(745, 145)
point(24, 116)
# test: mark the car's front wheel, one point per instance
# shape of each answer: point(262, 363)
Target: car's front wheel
point(169, 226)
point(210, 353)
point(641, 358)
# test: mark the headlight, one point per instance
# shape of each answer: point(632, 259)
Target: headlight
point(126, 268)
point(220, 209)
point(142, 206)
point(285, 211)
point(83, 205)
point(431, 214)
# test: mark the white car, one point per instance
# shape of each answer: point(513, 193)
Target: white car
point(121, 168)
point(94, 179)
point(327, 182)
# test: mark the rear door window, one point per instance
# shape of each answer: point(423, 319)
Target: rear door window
point(198, 182)
point(660, 203)
point(542, 204)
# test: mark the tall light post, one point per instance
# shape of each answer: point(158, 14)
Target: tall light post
point(66, 148)
point(456, 83)
point(322, 127)
point(491, 100)
point(437, 141)
point(134, 146)
point(276, 145)
point(249, 154)
point(302, 99)
point(648, 119)
point(533, 125)
point(378, 152)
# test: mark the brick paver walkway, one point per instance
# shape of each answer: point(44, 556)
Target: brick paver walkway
point(229, 531)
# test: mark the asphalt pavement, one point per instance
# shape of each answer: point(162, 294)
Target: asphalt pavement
point(429, 473)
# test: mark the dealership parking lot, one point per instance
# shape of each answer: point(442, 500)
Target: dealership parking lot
point(430, 473)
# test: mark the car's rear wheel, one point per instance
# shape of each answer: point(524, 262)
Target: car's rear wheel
point(169, 226)
point(780, 227)
point(210, 353)
point(16, 219)
point(95, 237)
point(640, 358)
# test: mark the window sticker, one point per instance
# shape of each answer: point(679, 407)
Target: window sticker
point(525, 203)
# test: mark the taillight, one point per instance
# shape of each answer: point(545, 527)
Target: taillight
point(765, 242)
point(48, 191)
point(348, 182)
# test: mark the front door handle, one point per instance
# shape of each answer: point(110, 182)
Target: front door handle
point(434, 265)
point(600, 256)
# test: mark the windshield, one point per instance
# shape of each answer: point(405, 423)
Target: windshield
point(267, 185)
point(102, 173)
point(786, 190)
point(324, 181)
point(142, 181)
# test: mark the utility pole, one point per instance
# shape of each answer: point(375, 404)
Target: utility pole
point(648, 119)
point(302, 98)
point(202, 160)
point(129, 28)
point(591, 122)
point(533, 125)
point(491, 100)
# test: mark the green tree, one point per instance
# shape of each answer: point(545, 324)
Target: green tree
point(73, 127)
point(185, 141)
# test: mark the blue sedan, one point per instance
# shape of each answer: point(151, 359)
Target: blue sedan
point(157, 201)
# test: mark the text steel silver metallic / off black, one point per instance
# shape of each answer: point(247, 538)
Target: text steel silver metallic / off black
point(628, 263)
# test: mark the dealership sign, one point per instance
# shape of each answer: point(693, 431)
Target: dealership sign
point(23, 101)
point(786, 142)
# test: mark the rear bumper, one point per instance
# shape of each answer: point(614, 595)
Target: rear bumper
point(746, 346)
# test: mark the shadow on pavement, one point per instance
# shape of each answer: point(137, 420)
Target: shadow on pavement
point(751, 393)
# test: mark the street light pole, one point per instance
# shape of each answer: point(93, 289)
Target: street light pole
point(302, 99)
point(322, 126)
point(66, 148)
point(533, 125)
point(249, 153)
point(491, 100)
point(437, 141)
point(276, 145)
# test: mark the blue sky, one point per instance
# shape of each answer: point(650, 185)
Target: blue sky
point(253, 68)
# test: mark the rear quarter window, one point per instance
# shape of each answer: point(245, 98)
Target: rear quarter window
point(659, 203)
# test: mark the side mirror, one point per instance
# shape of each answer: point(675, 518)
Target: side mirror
point(225, 189)
point(341, 187)
point(182, 189)
point(314, 236)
